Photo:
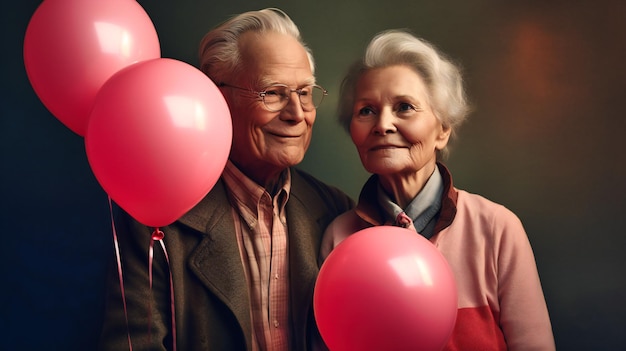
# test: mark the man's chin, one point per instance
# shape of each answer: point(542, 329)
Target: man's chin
point(288, 159)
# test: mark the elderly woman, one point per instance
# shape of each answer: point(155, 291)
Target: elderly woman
point(401, 105)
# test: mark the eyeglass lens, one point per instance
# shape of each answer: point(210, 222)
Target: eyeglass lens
point(276, 97)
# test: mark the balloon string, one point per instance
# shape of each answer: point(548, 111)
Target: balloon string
point(150, 260)
point(158, 235)
point(119, 272)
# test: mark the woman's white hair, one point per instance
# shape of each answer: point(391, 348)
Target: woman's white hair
point(442, 77)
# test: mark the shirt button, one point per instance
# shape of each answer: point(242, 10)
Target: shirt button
point(276, 324)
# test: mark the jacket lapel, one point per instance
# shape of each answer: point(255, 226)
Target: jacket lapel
point(216, 260)
point(304, 214)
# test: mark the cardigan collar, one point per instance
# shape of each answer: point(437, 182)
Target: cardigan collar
point(370, 210)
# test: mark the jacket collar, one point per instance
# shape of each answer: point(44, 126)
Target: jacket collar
point(448, 200)
point(305, 220)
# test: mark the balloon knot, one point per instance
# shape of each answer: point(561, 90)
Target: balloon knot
point(157, 234)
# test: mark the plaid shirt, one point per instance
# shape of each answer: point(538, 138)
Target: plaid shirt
point(261, 230)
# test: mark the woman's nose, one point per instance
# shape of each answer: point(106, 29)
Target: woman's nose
point(385, 123)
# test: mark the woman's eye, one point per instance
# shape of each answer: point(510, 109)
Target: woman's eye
point(406, 107)
point(365, 111)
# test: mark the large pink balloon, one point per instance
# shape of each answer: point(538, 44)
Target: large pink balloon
point(158, 139)
point(72, 47)
point(385, 288)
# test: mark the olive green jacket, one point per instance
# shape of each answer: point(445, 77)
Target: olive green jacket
point(211, 302)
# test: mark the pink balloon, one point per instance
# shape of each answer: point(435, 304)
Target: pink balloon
point(385, 288)
point(158, 139)
point(72, 47)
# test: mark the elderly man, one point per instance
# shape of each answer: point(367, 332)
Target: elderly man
point(244, 260)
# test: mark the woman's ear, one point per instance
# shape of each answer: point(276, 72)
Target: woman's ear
point(443, 137)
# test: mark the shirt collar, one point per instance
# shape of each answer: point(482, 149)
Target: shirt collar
point(422, 209)
point(243, 191)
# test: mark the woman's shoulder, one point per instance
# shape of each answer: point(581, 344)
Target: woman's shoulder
point(345, 224)
point(478, 206)
point(301, 179)
point(469, 199)
point(339, 229)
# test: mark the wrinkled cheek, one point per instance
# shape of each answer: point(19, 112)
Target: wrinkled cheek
point(307, 140)
point(416, 150)
point(359, 140)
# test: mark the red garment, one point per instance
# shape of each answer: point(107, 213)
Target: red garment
point(501, 302)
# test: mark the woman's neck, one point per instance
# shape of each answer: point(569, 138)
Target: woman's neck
point(404, 187)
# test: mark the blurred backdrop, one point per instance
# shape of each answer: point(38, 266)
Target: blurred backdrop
point(548, 86)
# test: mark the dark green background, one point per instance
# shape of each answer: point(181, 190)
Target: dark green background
point(548, 85)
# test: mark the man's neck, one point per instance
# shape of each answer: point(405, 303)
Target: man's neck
point(269, 177)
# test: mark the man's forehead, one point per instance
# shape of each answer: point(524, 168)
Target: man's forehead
point(274, 58)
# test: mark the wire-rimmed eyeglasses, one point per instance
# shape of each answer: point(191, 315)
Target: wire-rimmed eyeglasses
point(275, 97)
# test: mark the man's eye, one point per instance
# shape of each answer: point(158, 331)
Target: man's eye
point(272, 92)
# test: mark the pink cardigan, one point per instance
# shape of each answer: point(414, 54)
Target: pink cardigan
point(501, 302)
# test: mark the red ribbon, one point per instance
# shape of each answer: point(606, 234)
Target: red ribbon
point(157, 235)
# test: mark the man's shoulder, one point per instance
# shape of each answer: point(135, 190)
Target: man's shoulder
point(307, 187)
point(302, 179)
